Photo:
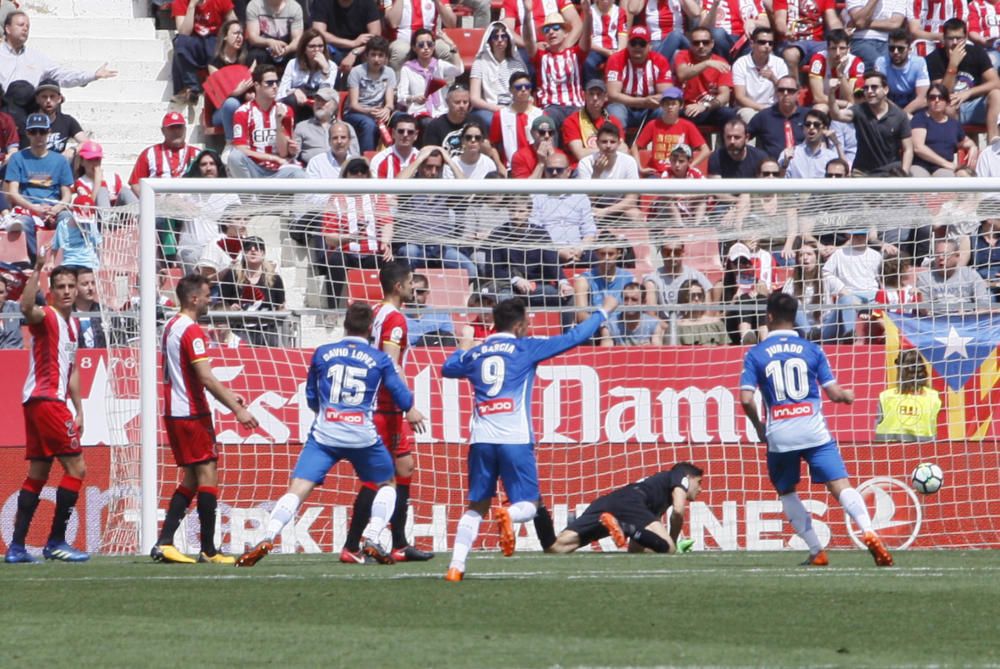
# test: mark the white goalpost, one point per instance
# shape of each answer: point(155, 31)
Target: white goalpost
point(604, 415)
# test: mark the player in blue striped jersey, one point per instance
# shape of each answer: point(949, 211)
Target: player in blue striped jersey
point(789, 371)
point(344, 379)
point(502, 444)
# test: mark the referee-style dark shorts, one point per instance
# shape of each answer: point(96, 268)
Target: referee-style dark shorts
point(628, 506)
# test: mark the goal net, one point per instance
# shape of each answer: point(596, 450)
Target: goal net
point(887, 273)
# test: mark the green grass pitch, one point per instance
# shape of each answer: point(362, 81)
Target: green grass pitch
point(723, 609)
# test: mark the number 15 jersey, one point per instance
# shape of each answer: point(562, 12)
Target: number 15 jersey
point(789, 371)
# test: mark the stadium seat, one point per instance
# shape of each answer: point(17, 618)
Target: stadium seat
point(363, 285)
point(544, 323)
point(13, 251)
point(45, 238)
point(449, 287)
point(467, 40)
point(703, 254)
point(639, 239)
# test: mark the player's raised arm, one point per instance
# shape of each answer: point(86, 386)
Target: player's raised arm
point(553, 346)
point(29, 309)
point(203, 370)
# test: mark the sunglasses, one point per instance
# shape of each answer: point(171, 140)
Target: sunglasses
point(788, 90)
point(872, 87)
point(472, 138)
point(555, 170)
point(770, 173)
point(638, 43)
point(764, 42)
point(546, 133)
point(425, 45)
point(37, 131)
point(701, 42)
point(523, 87)
point(269, 83)
point(935, 96)
point(898, 48)
point(812, 124)
point(547, 29)
point(406, 132)
point(499, 36)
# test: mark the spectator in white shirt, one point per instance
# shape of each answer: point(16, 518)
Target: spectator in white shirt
point(872, 21)
point(610, 163)
point(809, 159)
point(851, 274)
point(756, 74)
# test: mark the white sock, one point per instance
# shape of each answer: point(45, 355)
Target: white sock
point(801, 520)
point(855, 507)
point(468, 530)
point(382, 508)
point(281, 514)
point(522, 512)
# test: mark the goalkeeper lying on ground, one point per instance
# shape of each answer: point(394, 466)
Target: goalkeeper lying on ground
point(633, 512)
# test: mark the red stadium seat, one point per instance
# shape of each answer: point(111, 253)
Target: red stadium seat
point(45, 238)
point(449, 287)
point(13, 250)
point(639, 239)
point(467, 40)
point(363, 285)
point(703, 255)
point(544, 323)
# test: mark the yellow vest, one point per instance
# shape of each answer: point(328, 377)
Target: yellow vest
point(907, 417)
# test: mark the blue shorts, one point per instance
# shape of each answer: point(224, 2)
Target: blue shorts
point(825, 464)
point(372, 463)
point(807, 47)
point(513, 463)
point(973, 112)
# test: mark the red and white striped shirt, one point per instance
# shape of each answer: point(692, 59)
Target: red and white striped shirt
point(258, 129)
point(984, 18)
point(184, 343)
point(159, 162)
point(805, 18)
point(387, 163)
point(514, 9)
point(933, 13)
point(642, 80)
point(898, 297)
point(820, 66)
point(734, 15)
point(53, 354)
point(389, 327)
point(417, 14)
point(662, 17)
point(357, 216)
point(607, 27)
point(509, 131)
point(84, 187)
point(560, 77)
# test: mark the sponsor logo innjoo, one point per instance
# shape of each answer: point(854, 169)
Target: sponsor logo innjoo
point(895, 511)
point(499, 405)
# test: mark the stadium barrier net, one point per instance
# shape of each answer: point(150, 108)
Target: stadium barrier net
point(659, 386)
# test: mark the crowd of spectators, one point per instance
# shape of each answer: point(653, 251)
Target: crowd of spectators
point(593, 90)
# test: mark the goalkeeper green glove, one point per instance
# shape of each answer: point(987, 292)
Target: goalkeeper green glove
point(685, 545)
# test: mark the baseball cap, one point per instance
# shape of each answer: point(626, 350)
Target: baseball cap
point(739, 250)
point(682, 148)
point(672, 93)
point(639, 32)
point(543, 121)
point(38, 122)
point(596, 83)
point(48, 85)
point(173, 118)
point(327, 94)
point(91, 150)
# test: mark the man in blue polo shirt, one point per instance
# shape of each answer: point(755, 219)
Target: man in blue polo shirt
point(779, 127)
point(906, 72)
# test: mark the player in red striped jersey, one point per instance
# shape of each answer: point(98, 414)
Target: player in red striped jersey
point(636, 79)
point(559, 66)
point(51, 431)
point(170, 158)
point(389, 334)
point(187, 416)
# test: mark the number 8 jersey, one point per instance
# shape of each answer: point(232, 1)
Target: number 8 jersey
point(789, 371)
point(343, 379)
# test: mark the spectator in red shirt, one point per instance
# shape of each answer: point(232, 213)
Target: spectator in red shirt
point(683, 210)
point(10, 141)
point(509, 129)
point(667, 132)
point(707, 81)
point(835, 72)
point(170, 158)
point(636, 78)
point(197, 23)
point(529, 162)
point(579, 131)
point(262, 133)
point(559, 66)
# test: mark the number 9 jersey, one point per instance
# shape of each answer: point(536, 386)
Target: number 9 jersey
point(341, 387)
point(789, 371)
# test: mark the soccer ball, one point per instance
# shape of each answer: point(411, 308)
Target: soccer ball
point(927, 478)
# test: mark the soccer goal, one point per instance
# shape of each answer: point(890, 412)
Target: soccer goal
point(693, 261)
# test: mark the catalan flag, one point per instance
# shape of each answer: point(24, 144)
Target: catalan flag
point(962, 353)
